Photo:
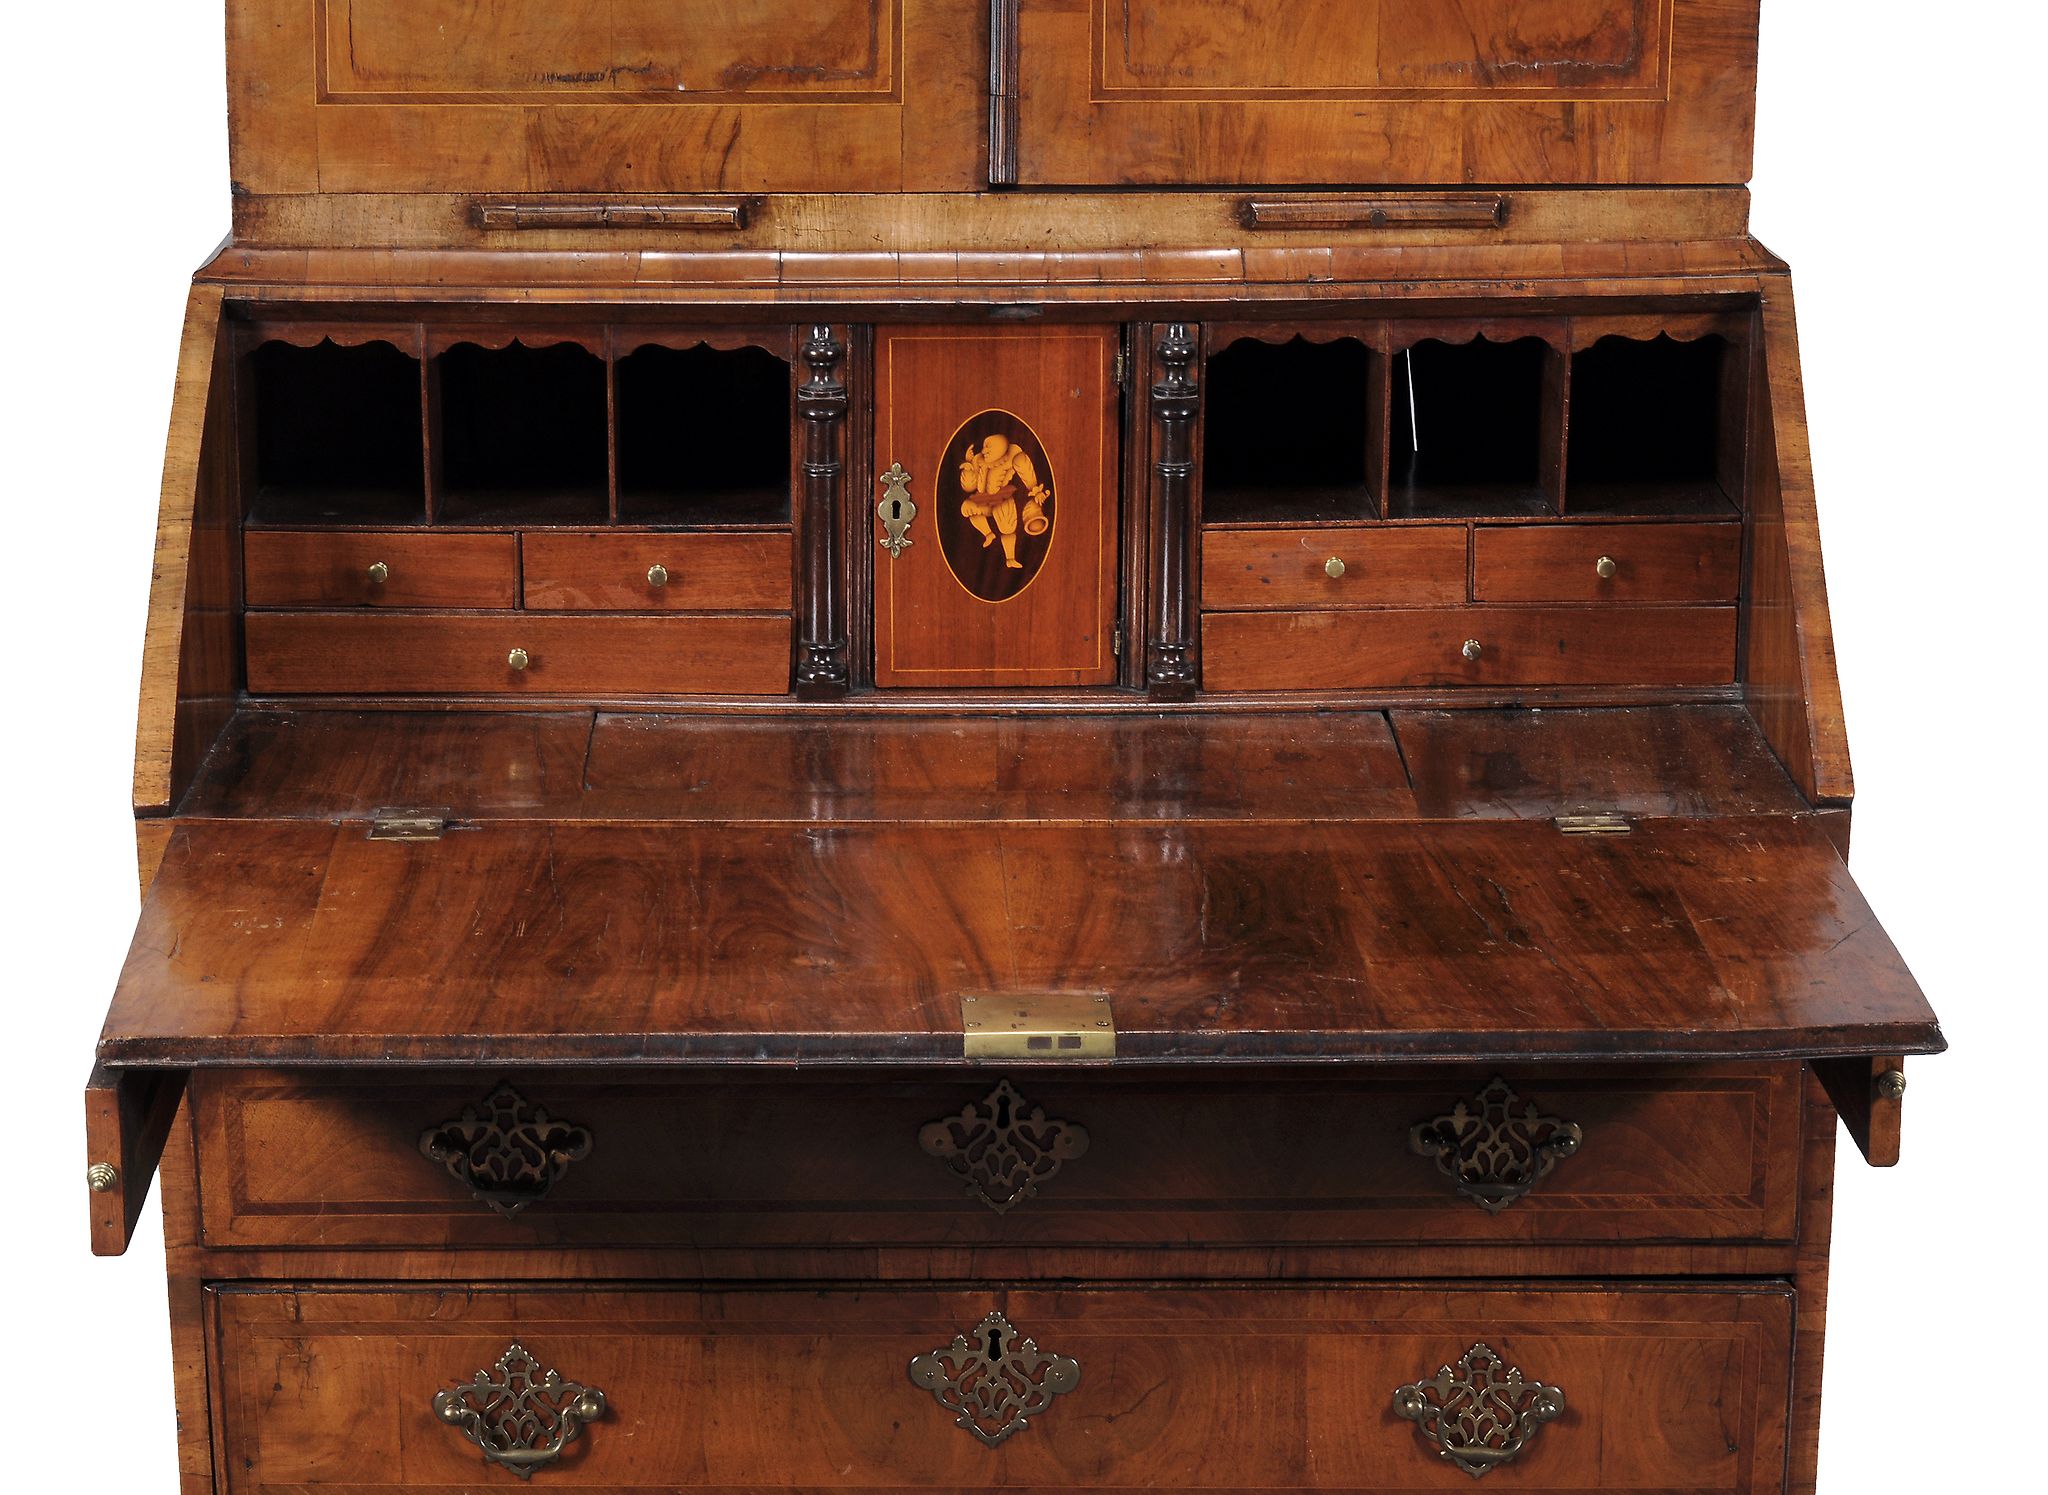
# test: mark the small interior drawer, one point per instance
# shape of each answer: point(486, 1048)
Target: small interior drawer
point(1607, 563)
point(1702, 1153)
point(379, 568)
point(569, 571)
point(1600, 1387)
point(1333, 566)
point(1476, 646)
point(429, 653)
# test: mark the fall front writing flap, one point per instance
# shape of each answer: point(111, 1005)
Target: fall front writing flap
point(541, 942)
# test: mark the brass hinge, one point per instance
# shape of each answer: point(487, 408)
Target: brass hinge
point(1601, 823)
point(1121, 367)
point(1051, 1025)
point(408, 825)
point(1116, 641)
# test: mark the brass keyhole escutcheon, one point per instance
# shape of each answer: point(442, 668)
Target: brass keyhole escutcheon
point(896, 509)
point(657, 575)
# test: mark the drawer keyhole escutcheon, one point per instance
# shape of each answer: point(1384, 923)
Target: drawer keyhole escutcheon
point(896, 509)
point(1480, 1413)
point(520, 1415)
point(507, 1152)
point(993, 1380)
point(1495, 1148)
point(1002, 1148)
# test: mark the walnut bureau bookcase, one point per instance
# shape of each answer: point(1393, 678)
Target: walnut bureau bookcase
point(923, 745)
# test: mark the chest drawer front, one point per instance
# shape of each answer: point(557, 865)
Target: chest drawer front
point(1395, 649)
point(424, 654)
point(1607, 563)
point(295, 568)
point(568, 572)
point(1214, 1388)
point(1333, 567)
point(1702, 1154)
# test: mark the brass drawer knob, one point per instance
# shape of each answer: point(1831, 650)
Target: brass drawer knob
point(1604, 568)
point(657, 575)
point(520, 1415)
point(994, 1379)
point(1891, 1085)
point(518, 659)
point(379, 573)
point(1334, 567)
point(1480, 1413)
point(1472, 649)
point(101, 1177)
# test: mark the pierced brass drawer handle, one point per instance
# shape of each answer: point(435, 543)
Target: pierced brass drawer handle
point(1492, 1154)
point(508, 1153)
point(1003, 1148)
point(994, 1381)
point(520, 1415)
point(1474, 1415)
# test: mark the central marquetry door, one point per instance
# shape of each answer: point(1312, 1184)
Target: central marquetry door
point(995, 507)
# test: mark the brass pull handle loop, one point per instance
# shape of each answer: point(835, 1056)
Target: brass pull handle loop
point(1480, 1413)
point(520, 1415)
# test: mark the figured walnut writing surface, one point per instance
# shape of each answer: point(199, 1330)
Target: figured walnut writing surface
point(305, 942)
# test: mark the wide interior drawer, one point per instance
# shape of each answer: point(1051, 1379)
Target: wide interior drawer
point(422, 653)
point(1607, 563)
point(379, 568)
point(1331, 566)
point(1395, 648)
point(1702, 1153)
point(1595, 1388)
point(657, 572)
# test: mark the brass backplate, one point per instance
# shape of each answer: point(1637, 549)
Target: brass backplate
point(1046, 1025)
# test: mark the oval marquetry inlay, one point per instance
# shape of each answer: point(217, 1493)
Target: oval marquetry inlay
point(996, 502)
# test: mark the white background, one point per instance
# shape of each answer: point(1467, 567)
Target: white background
point(1898, 170)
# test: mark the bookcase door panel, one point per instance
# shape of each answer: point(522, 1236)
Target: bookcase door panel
point(1373, 91)
point(642, 96)
point(1006, 443)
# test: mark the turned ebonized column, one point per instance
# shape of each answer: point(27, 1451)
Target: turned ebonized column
point(1170, 664)
point(821, 407)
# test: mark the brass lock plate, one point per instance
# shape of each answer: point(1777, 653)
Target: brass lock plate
point(1046, 1025)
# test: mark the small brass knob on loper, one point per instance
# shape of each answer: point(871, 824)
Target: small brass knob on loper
point(1333, 567)
point(1604, 568)
point(1892, 1084)
point(519, 659)
point(101, 1177)
point(657, 575)
point(1472, 650)
point(379, 573)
